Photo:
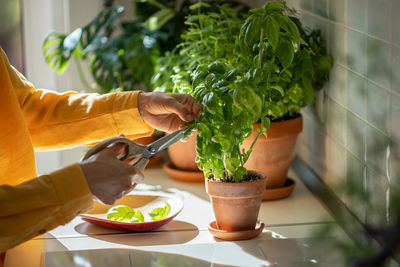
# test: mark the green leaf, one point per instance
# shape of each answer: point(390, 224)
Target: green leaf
point(252, 29)
point(121, 213)
point(231, 76)
point(199, 93)
point(216, 67)
point(285, 52)
point(239, 174)
point(266, 121)
point(160, 213)
point(209, 80)
point(275, 110)
point(272, 30)
point(198, 79)
point(210, 103)
point(290, 27)
point(295, 93)
point(274, 7)
point(72, 40)
point(259, 11)
point(199, 5)
point(102, 67)
point(270, 66)
point(278, 88)
point(249, 100)
point(138, 217)
point(104, 19)
point(309, 91)
point(55, 54)
point(158, 19)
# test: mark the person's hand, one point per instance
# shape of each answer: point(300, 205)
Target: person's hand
point(166, 111)
point(108, 178)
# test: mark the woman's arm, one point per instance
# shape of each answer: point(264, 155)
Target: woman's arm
point(61, 120)
point(41, 204)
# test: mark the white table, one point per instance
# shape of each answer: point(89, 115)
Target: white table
point(289, 222)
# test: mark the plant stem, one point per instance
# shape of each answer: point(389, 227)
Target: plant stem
point(260, 48)
point(81, 75)
point(240, 156)
point(255, 139)
point(156, 4)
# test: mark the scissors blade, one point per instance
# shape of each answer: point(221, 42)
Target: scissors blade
point(164, 142)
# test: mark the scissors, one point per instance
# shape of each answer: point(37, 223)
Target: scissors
point(141, 153)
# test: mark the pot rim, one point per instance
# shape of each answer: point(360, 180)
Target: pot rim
point(281, 129)
point(246, 189)
point(261, 176)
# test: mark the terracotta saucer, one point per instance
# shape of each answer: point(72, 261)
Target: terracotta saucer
point(237, 235)
point(182, 175)
point(280, 192)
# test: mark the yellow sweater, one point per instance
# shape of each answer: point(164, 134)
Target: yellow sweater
point(41, 120)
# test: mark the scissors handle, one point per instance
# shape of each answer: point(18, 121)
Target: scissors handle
point(141, 164)
point(103, 144)
point(132, 149)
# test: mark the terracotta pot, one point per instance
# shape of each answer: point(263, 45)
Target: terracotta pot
point(183, 154)
point(273, 155)
point(236, 205)
point(148, 140)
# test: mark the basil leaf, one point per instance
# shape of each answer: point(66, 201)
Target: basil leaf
point(198, 79)
point(285, 52)
point(274, 7)
point(138, 217)
point(290, 27)
point(199, 5)
point(278, 88)
point(160, 213)
point(121, 213)
point(272, 30)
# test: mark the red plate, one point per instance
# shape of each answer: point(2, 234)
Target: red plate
point(146, 202)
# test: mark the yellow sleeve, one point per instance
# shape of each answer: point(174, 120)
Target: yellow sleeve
point(41, 204)
point(62, 120)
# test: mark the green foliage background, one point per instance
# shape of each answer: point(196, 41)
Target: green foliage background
point(121, 54)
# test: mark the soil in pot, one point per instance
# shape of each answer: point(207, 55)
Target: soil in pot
point(236, 205)
point(273, 155)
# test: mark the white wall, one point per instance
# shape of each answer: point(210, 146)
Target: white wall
point(39, 18)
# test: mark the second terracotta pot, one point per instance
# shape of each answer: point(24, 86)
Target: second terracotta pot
point(236, 205)
point(183, 154)
point(273, 155)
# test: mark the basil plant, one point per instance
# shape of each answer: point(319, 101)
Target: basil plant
point(243, 68)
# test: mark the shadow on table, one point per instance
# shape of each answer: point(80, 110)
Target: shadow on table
point(174, 232)
point(121, 257)
point(279, 250)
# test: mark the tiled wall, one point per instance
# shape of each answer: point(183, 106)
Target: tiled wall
point(352, 135)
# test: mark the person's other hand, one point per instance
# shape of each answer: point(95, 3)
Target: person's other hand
point(108, 178)
point(166, 111)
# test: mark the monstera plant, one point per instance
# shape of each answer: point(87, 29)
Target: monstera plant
point(121, 54)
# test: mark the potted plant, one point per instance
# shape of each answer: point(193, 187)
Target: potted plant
point(297, 73)
point(171, 75)
point(271, 56)
point(216, 78)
